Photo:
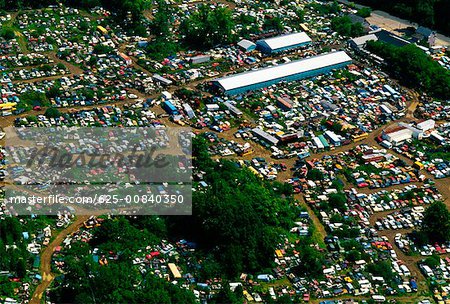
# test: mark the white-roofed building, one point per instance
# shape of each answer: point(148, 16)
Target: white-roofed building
point(426, 125)
point(246, 45)
point(399, 136)
point(283, 43)
point(360, 42)
point(263, 135)
point(295, 70)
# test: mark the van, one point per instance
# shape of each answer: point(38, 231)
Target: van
point(379, 298)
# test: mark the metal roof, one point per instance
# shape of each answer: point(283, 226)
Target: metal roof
point(363, 39)
point(282, 70)
point(286, 40)
point(244, 43)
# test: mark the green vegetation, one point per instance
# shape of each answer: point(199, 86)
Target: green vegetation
point(346, 27)
point(431, 13)
point(273, 23)
point(160, 25)
point(315, 174)
point(208, 27)
point(238, 218)
point(161, 48)
point(7, 32)
point(324, 9)
point(414, 68)
point(382, 269)
point(102, 49)
point(31, 99)
point(13, 253)
point(312, 261)
point(85, 281)
point(433, 261)
point(364, 12)
point(52, 113)
point(338, 201)
point(436, 223)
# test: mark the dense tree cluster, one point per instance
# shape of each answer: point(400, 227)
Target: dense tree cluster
point(436, 222)
point(382, 269)
point(13, 253)
point(414, 68)
point(346, 27)
point(207, 27)
point(85, 281)
point(238, 218)
point(431, 13)
point(312, 261)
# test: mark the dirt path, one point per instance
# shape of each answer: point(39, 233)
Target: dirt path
point(46, 259)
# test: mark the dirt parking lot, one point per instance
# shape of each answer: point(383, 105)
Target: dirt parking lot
point(394, 24)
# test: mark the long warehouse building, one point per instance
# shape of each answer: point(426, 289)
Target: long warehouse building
point(292, 71)
point(283, 43)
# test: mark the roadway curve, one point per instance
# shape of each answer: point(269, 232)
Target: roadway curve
point(46, 258)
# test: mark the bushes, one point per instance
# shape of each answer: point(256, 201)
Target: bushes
point(382, 269)
point(7, 33)
point(206, 27)
point(436, 222)
point(364, 12)
point(345, 27)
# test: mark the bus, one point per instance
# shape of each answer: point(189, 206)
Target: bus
point(102, 30)
point(174, 270)
point(418, 165)
point(360, 137)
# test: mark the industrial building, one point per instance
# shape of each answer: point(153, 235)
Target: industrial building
point(159, 79)
point(169, 108)
point(235, 111)
point(246, 45)
point(189, 111)
point(398, 136)
point(333, 138)
point(283, 43)
point(360, 42)
point(292, 71)
point(265, 136)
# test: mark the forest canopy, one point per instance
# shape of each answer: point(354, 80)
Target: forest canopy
point(414, 68)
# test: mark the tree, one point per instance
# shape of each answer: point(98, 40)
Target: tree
point(312, 261)
point(346, 27)
point(208, 27)
point(364, 12)
point(315, 174)
point(436, 222)
point(160, 24)
point(337, 200)
point(382, 269)
point(238, 218)
point(433, 261)
point(102, 49)
point(52, 113)
point(21, 268)
point(273, 23)
point(7, 33)
point(414, 68)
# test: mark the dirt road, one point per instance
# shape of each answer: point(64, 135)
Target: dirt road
point(46, 259)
